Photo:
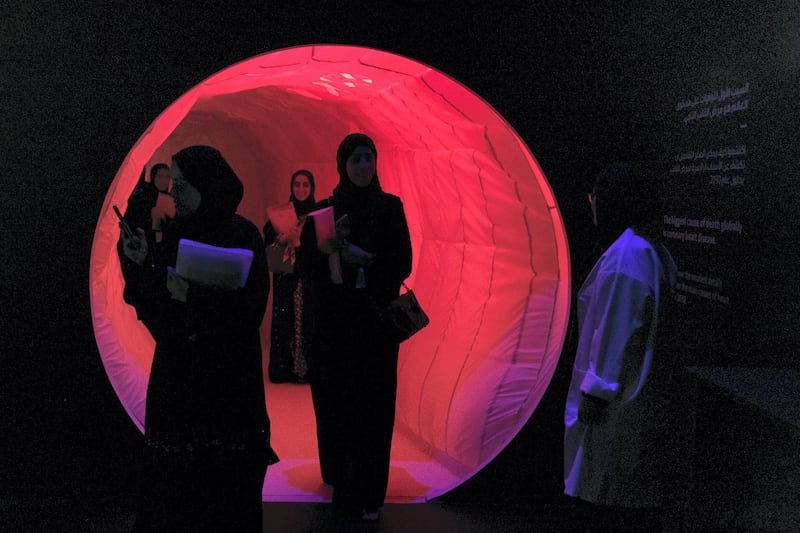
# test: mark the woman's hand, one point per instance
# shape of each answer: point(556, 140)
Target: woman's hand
point(592, 410)
point(290, 237)
point(332, 245)
point(354, 255)
point(177, 286)
point(135, 246)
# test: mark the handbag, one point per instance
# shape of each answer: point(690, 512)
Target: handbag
point(280, 258)
point(403, 317)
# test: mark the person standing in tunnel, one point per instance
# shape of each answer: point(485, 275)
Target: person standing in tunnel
point(207, 432)
point(149, 206)
point(164, 206)
point(292, 321)
point(617, 413)
point(353, 365)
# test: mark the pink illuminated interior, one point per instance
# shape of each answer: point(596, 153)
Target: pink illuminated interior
point(491, 262)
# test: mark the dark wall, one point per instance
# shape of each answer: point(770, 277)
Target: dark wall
point(583, 86)
point(730, 144)
point(80, 83)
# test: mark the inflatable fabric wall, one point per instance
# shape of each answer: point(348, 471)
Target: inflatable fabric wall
point(491, 261)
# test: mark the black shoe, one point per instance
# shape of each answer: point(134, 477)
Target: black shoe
point(370, 514)
point(282, 377)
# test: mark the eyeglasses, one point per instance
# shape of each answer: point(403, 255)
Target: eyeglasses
point(592, 197)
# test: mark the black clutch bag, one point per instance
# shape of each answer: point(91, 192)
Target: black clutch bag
point(403, 317)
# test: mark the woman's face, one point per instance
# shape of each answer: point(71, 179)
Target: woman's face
point(186, 197)
point(361, 166)
point(162, 179)
point(301, 187)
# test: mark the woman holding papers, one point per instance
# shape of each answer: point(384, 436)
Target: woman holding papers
point(292, 324)
point(207, 432)
point(352, 366)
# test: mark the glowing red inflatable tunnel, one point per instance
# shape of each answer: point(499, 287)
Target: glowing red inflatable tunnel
point(491, 263)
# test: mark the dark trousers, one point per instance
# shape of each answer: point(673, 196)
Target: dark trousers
point(354, 406)
point(208, 491)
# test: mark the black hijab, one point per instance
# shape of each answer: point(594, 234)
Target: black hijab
point(220, 188)
point(305, 206)
point(629, 194)
point(346, 195)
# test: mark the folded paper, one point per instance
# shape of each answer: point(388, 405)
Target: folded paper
point(213, 265)
point(282, 217)
point(325, 227)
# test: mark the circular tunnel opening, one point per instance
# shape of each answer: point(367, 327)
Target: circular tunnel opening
point(491, 261)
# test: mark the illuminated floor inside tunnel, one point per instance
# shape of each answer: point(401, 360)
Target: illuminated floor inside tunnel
point(491, 258)
point(296, 478)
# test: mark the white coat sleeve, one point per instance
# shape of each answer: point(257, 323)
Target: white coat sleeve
point(616, 316)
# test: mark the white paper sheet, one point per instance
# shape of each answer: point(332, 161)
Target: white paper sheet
point(283, 217)
point(212, 265)
point(325, 227)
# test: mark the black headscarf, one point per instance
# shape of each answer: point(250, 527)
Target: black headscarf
point(347, 147)
point(348, 196)
point(628, 194)
point(305, 206)
point(220, 188)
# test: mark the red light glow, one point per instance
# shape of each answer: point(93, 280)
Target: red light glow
point(491, 262)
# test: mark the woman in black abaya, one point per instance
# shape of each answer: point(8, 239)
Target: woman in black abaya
point(207, 433)
point(353, 365)
point(292, 320)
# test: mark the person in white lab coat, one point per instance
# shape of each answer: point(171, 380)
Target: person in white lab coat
point(620, 383)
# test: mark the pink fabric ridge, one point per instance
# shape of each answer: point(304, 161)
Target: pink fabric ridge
point(491, 259)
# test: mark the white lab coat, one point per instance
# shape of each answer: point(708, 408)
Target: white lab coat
point(617, 462)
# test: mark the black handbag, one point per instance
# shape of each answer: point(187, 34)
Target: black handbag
point(403, 317)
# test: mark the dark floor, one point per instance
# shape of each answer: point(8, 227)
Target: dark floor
point(110, 514)
point(744, 474)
